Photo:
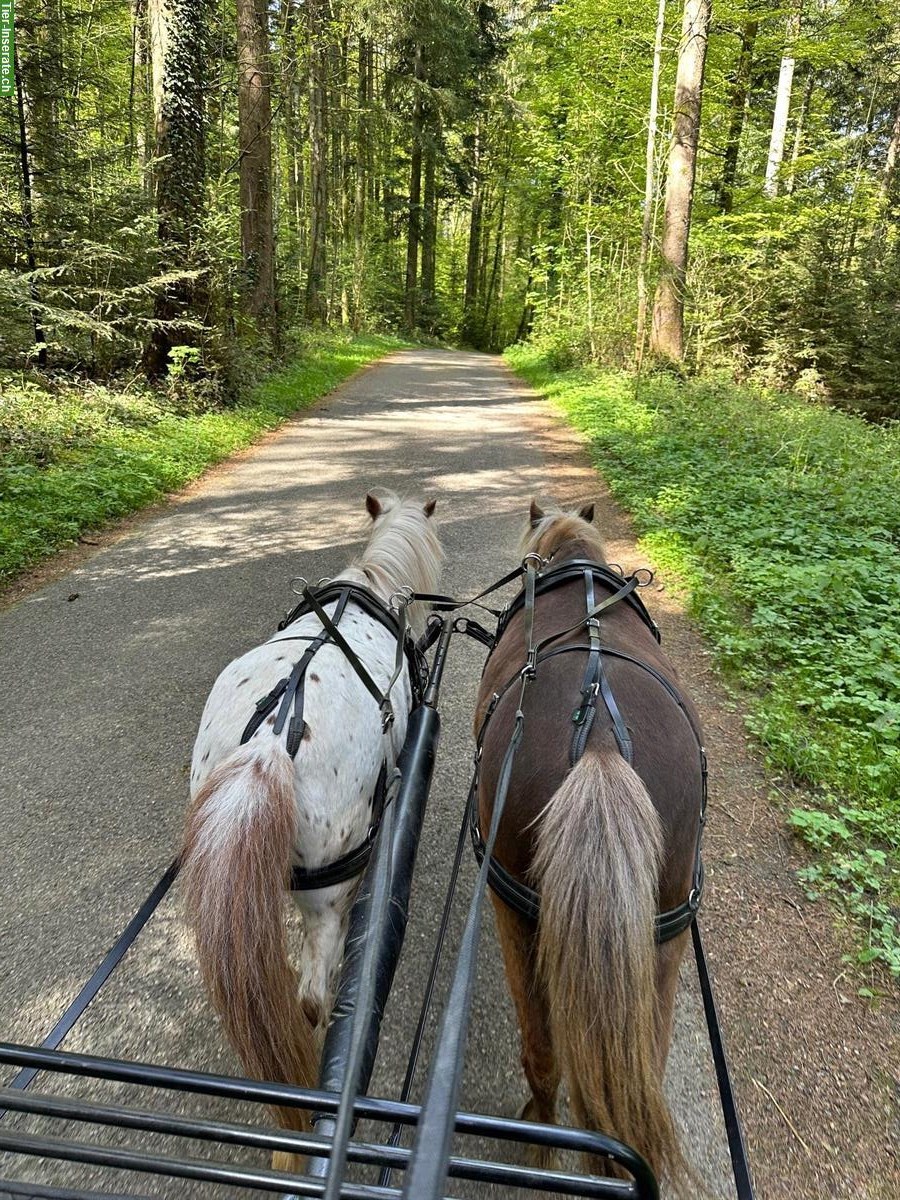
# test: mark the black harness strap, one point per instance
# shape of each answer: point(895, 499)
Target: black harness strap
point(295, 689)
point(441, 603)
point(354, 862)
point(574, 569)
point(288, 694)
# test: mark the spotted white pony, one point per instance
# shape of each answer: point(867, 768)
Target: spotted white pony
point(256, 813)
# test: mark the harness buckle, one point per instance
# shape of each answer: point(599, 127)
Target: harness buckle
point(529, 671)
point(402, 598)
point(299, 585)
point(537, 560)
point(387, 715)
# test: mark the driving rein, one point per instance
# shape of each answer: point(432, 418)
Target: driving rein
point(595, 684)
point(288, 697)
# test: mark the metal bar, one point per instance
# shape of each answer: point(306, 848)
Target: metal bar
point(180, 1168)
point(368, 1153)
point(378, 923)
point(111, 960)
point(412, 1061)
point(177, 1079)
point(364, 1026)
point(40, 1191)
point(737, 1148)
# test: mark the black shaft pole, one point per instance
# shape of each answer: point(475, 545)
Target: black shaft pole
point(416, 765)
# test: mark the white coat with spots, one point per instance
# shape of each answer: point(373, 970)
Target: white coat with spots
point(256, 813)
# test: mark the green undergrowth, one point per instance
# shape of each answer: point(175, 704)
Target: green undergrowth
point(781, 518)
point(74, 455)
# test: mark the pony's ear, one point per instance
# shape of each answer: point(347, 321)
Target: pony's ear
point(535, 513)
point(586, 513)
point(373, 506)
point(428, 507)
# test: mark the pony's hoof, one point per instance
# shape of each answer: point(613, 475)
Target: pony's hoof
point(292, 1164)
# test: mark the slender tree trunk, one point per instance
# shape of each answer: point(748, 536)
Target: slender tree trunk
point(414, 232)
point(490, 289)
point(889, 174)
point(255, 140)
point(347, 184)
point(429, 231)
point(589, 276)
point(667, 337)
point(737, 102)
point(799, 131)
point(316, 306)
point(361, 179)
point(288, 22)
point(473, 253)
point(178, 35)
point(782, 106)
point(28, 217)
point(649, 189)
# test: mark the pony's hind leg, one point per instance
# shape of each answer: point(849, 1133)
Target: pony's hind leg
point(668, 961)
point(324, 930)
point(518, 941)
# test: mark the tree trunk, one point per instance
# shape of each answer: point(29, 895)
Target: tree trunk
point(798, 132)
point(316, 306)
point(667, 337)
point(178, 60)
point(737, 102)
point(889, 174)
point(414, 232)
point(289, 101)
point(649, 188)
point(782, 107)
point(255, 141)
point(28, 217)
point(429, 233)
point(360, 182)
point(473, 253)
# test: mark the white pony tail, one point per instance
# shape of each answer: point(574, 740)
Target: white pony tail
point(235, 869)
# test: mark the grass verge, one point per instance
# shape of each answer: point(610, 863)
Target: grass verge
point(782, 520)
point(76, 456)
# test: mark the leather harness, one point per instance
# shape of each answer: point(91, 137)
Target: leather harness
point(288, 697)
point(595, 682)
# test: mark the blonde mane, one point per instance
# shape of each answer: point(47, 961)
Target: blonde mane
point(403, 551)
point(555, 529)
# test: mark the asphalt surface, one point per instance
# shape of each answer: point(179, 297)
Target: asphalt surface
point(102, 695)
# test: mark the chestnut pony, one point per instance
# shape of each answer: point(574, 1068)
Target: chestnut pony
point(604, 845)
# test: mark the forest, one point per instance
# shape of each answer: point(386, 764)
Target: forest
point(183, 183)
point(680, 220)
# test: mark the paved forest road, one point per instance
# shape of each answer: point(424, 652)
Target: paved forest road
point(101, 697)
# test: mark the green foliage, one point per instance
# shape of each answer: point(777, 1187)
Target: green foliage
point(73, 456)
point(783, 519)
